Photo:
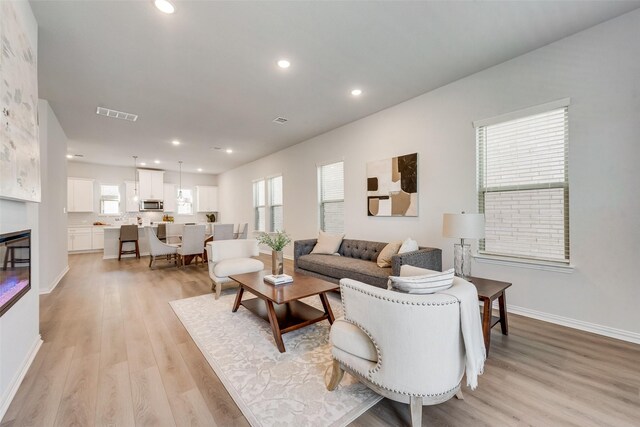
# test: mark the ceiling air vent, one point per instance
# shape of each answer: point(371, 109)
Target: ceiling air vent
point(280, 120)
point(101, 111)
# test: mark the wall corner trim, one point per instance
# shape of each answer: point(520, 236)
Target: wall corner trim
point(17, 380)
point(55, 282)
point(620, 334)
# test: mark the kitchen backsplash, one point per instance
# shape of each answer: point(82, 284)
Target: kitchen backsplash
point(77, 218)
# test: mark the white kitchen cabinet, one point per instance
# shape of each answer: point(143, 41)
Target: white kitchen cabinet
point(207, 198)
point(170, 198)
point(79, 239)
point(97, 238)
point(80, 195)
point(150, 184)
point(130, 191)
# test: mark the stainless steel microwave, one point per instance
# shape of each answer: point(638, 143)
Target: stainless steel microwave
point(151, 205)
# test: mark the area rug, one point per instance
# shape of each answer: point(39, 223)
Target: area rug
point(269, 387)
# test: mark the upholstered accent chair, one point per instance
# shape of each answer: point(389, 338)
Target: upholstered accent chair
point(242, 231)
point(158, 248)
point(406, 347)
point(192, 242)
point(228, 257)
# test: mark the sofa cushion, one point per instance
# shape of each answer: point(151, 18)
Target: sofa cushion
point(384, 259)
point(230, 266)
point(348, 337)
point(361, 249)
point(341, 267)
point(424, 284)
point(409, 245)
point(327, 243)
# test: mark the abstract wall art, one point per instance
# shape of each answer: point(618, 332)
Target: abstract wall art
point(19, 143)
point(392, 186)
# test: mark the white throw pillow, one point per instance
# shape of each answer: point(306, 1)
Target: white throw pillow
point(409, 245)
point(327, 243)
point(424, 284)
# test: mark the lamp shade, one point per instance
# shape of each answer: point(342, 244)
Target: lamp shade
point(463, 226)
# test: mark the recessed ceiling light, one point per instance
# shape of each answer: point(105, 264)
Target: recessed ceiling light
point(199, 169)
point(229, 151)
point(356, 92)
point(164, 6)
point(157, 162)
point(143, 164)
point(283, 63)
point(69, 156)
point(175, 142)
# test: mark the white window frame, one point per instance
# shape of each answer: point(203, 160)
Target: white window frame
point(104, 198)
point(257, 206)
point(529, 261)
point(322, 202)
point(271, 204)
point(190, 203)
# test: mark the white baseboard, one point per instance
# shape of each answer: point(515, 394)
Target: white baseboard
point(55, 282)
point(607, 331)
point(17, 380)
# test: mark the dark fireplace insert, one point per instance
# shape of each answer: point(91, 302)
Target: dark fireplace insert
point(15, 274)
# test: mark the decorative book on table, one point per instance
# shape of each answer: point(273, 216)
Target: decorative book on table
point(278, 279)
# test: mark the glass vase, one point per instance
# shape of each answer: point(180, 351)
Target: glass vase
point(277, 263)
point(462, 260)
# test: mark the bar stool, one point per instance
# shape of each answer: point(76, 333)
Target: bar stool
point(162, 232)
point(129, 234)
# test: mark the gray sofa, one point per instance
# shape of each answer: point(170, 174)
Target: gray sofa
point(358, 261)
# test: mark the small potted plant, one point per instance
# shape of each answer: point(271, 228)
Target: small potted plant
point(211, 217)
point(276, 241)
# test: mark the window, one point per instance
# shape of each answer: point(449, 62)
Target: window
point(186, 206)
point(276, 221)
point(523, 186)
point(331, 179)
point(259, 220)
point(109, 200)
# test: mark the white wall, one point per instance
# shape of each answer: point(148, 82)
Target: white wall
point(117, 175)
point(53, 248)
point(598, 69)
point(19, 327)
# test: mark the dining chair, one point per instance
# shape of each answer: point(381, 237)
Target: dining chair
point(192, 243)
point(162, 232)
point(128, 234)
point(242, 231)
point(174, 232)
point(158, 248)
point(222, 231)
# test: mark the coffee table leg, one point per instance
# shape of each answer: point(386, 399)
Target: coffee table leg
point(275, 327)
point(486, 323)
point(236, 304)
point(503, 314)
point(327, 307)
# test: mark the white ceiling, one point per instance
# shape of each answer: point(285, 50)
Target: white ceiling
point(206, 75)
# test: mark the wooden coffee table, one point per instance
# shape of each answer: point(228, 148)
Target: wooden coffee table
point(280, 305)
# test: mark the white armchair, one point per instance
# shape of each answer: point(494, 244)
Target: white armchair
point(406, 347)
point(228, 257)
point(158, 248)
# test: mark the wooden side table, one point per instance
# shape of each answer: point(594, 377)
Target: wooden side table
point(488, 291)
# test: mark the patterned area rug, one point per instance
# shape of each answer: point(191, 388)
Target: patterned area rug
point(271, 388)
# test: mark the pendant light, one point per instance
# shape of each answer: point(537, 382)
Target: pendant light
point(135, 178)
point(180, 198)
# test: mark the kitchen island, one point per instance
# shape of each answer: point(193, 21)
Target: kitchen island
point(112, 241)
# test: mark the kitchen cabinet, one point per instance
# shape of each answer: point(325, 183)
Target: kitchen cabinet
point(170, 197)
point(80, 195)
point(79, 239)
point(150, 184)
point(207, 198)
point(130, 204)
point(97, 238)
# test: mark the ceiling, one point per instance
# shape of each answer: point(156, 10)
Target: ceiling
point(207, 74)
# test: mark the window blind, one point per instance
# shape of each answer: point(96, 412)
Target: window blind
point(259, 199)
point(109, 199)
point(331, 179)
point(276, 220)
point(523, 186)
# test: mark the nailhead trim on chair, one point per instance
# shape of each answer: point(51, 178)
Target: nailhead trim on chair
point(378, 350)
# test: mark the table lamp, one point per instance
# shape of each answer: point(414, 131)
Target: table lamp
point(462, 226)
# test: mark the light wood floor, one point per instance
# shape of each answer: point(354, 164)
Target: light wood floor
point(114, 353)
